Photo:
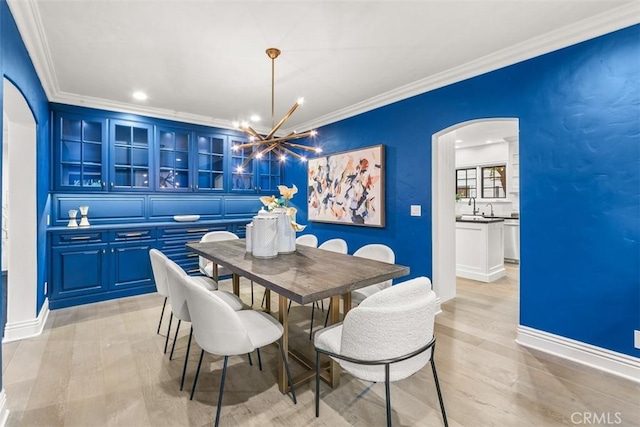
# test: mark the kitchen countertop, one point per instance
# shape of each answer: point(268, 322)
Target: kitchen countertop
point(485, 220)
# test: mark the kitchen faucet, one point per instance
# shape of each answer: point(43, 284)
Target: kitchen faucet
point(475, 211)
point(489, 204)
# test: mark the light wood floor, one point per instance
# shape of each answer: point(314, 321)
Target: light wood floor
point(103, 365)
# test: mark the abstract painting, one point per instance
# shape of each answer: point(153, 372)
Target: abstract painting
point(347, 187)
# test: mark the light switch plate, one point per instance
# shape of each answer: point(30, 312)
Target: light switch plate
point(416, 210)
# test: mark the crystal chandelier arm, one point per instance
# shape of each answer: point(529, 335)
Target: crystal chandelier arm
point(281, 122)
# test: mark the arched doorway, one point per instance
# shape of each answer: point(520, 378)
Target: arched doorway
point(443, 202)
point(19, 215)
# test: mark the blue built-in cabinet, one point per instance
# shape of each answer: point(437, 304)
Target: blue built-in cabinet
point(136, 173)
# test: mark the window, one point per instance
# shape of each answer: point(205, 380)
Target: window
point(466, 183)
point(494, 181)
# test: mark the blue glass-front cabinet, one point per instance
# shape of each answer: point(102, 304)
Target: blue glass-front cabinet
point(130, 161)
point(80, 148)
point(260, 174)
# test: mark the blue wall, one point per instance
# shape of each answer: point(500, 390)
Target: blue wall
point(579, 115)
point(18, 68)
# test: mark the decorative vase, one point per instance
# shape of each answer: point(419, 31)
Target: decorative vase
point(72, 218)
point(286, 235)
point(248, 237)
point(264, 236)
point(84, 211)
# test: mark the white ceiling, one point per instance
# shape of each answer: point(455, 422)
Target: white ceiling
point(205, 62)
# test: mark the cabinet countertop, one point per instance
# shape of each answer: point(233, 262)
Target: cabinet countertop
point(481, 220)
point(103, 227)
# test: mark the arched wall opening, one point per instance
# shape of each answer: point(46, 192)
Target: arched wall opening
point(443, 205)
point(19, 214)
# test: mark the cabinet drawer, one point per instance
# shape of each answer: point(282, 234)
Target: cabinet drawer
point(193, 232)
point(78, 238)
point(132, 234)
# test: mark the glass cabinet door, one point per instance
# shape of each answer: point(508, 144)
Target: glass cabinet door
point(81, 151)
point(269, 173)
point(242, 179)
point(130, 156)
point(210, 161)
point(173, 162)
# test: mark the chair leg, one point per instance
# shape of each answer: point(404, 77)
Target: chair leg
point(289, 307)
point(317, 384)
point(264, 298)
point(259, 359)
point(387, 389)
point(162, 314)
point(286, 366)
point(166, 341)
point(252, 293)
point(224, 374)
point(326, 319)
point(175, 338)
point(313, 309)
point(249, 357)
point(186, 359)
point(195, 379)
point(435, 378)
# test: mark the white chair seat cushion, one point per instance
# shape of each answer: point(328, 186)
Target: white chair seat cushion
point(206, 282)
point(231, 299)
point(262, 328)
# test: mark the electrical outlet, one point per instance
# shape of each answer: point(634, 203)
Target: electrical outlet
point(636, 339)
point(416, 210)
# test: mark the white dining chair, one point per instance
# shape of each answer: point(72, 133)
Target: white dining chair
point(221, 331)
point(158, 267)
point(307, 240)
point(400, 344)
point(179, 308)
point(376, 252)
point(333, 245)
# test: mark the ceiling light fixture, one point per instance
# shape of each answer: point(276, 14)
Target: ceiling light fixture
point(140, 96)
point(270, 142)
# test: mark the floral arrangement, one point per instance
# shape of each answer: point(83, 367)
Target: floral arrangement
point(282, 202)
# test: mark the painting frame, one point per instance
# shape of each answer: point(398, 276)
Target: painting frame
point(348, 187)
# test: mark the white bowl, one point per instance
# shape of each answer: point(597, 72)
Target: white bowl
point(186, 218)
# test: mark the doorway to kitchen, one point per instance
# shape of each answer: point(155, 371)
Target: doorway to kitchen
point(488, 145)
point(19, 215)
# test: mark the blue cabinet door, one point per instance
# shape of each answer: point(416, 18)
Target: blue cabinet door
point(80, 152)
point(130, 156)
point(129, 265)
point(78, 271)
point(174, 160)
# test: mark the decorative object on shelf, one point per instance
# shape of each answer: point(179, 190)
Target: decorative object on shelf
point(348, 187)
point(270, 142)
point(72, 218)
point(84, 211)
point(458, 206)
point(264, 235)
point(186, 218)
point(287, 225)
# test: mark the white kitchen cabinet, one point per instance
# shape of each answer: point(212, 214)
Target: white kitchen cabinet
point(480, 249)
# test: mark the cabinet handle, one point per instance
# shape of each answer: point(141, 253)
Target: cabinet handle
point(192, 255)
point(133, 235)
point(196, 187)
point(112, 185)
point(81, 238)
point(104, 184)
point(104, 251)
point(112, 250)
point(195, 270)
point(198, 230)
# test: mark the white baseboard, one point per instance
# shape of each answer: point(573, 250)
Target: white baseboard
point(4, 411)
point(27, 328)
point(438, 306)
point(596, 357)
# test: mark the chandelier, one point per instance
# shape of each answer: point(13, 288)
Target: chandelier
point(279, 145)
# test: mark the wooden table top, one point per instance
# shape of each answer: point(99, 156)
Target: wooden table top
point(307, 275)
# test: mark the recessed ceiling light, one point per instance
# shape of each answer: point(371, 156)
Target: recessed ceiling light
point(140, 96)
point(458, 141)
point(255, 118)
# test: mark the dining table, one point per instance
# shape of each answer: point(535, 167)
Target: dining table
point(304, 276)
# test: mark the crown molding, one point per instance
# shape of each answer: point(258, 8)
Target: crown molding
point(27, 17)
point(610, 21)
